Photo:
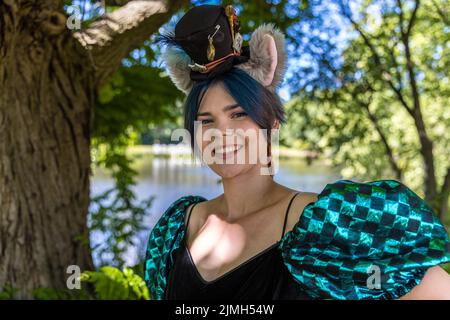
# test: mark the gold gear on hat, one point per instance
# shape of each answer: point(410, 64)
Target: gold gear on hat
point(211, 51)
point(236, 37)
point(231, 12)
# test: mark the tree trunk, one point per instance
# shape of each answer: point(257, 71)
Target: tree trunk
point(49, 76)
point(45, 103)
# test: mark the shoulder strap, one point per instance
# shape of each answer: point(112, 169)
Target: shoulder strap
point(286, 214)
point(189, 215)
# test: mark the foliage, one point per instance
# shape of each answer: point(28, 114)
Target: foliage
point(159, 133)
point(133, 98)
point(115, 214)
point(61, 294)
point(112, 284)
point(447, 267)
point(109, 283)
point(136, 97)
point(7, 293)
point(359, 119)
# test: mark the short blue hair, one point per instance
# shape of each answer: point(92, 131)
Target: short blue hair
point(262, 105)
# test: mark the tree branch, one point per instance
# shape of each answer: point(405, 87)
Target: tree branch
point(400, 15)
point(111, 38)
point(396, 65)
point(373, 118)
point(366, 105)
point(413, 18)
point(426, 145)
point(378, 61)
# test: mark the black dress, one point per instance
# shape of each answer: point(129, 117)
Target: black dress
point(263, 276)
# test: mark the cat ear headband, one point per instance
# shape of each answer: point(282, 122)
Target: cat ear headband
point(206, 42)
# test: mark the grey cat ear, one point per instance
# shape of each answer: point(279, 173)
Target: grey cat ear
point(267, 56)
point(177, 62)
point(271, 50)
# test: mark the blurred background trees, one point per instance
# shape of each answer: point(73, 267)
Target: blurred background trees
point(385, 110)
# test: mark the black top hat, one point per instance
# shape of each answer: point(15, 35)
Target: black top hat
point(210, 43)
point(209, 34)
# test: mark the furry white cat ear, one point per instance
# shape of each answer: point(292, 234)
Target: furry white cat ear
point(177, 63)
point(267, 56)
point(270, 47)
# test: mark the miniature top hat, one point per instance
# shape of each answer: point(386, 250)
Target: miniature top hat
point(206, 42)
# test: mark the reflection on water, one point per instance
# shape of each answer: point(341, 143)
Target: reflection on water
point(167, 179)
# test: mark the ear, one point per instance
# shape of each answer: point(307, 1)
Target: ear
point(271, 53)
point(267, 63)
point(177, 62)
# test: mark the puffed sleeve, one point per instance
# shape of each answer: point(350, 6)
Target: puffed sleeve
point(372, 240)
point(164, 238)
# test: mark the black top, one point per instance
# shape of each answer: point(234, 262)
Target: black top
point(263, 276)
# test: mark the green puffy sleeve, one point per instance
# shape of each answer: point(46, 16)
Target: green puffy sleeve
point(372, 240)
point(165, 237)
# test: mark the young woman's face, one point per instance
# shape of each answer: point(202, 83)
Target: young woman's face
point(230, 141)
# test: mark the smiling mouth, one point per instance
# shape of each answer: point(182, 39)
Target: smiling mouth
point(227, 151)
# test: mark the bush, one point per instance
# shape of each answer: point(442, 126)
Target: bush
point(112, 284)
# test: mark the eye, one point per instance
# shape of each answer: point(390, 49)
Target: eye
point(239, 114)
point(205, 121)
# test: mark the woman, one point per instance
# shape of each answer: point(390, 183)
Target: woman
point(260, 239)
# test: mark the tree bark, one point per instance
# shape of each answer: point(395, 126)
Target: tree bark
point(111, 38)
point(48, 87)
point(46, 96)
point(426, 145)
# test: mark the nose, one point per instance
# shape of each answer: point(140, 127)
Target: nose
point(225, 128)
point(227, 132)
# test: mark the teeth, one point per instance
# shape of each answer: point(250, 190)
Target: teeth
point(227, 149)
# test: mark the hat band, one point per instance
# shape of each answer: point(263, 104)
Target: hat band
point(209, 66)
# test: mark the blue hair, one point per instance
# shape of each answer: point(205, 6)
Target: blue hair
point(259, 103)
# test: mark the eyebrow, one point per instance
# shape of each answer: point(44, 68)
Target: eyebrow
point(224, 109)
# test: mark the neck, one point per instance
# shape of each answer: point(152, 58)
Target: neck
point(246, 193)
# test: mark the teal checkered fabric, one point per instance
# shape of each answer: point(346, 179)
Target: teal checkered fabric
point(356, 232)
point(372, 240)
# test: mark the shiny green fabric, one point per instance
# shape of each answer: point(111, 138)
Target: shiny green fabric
point(164, 239)
point(353, 226)
point(350, 228)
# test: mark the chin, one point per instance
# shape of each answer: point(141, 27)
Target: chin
point(227, 171)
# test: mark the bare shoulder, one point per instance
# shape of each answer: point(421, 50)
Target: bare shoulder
point(198, 213)
point(298, 205)
point(435, 285)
